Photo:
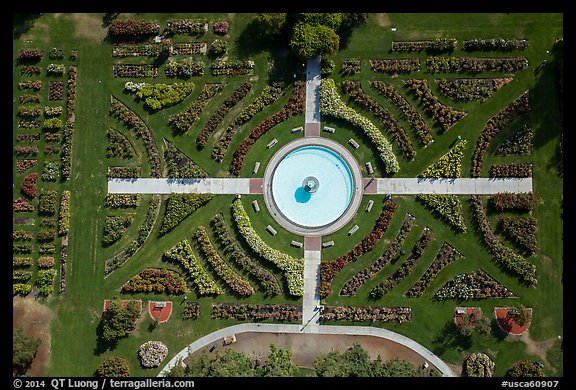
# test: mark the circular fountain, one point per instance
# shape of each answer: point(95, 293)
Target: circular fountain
point(312, 186)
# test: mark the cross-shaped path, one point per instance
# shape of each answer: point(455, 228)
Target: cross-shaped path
point(313, 244)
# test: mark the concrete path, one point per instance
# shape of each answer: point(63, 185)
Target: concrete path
point(170, 186)
point(459, 186)
point(219, 334)
point(312, 111)
point(311, 298)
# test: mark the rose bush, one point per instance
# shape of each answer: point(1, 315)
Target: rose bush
point(152, 353)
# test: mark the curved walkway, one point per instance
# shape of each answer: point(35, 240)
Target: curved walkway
point(323, 329)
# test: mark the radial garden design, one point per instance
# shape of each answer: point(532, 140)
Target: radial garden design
point(241, 180)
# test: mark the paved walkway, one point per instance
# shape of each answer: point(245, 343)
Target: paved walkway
point(180, 186)
point(322, 329)
point(311, 298)
point(459, 186)
point(312, 113)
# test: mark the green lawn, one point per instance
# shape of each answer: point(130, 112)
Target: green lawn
point(74, 335)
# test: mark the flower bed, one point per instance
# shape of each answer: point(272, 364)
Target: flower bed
point(257, 312)
point(293, 268)
point(66, 151)
point(511, 170)
point(471, 89)
point(136, 124)
point(155, 280)
point(124, 172)
point(159, 96)
point(494, 125)
point(294, 106)
point(436, 45)
point(21, 206)
point(122, 200)
point(503, 201)
point(446, 255)
point(186, 26)
point(475, 64)
point(119, 259)
point(188, 48)
point(216, 118)
point(45, 262)
point(24, 165)
point(114, 228)
point(479, 364)
point(64, 216)
point(495, 44)
point(121, 50)
point(71, 96)
point(187, 68)
point(55, 70)
point(410, 113)
point(22, 262)
point(331, 104)
point(191, 311)
point(518, 144)
point(350, 67)
point(113, 367)
point(26, 150)
point(239, 285)
point(132, 28)
point(34, 85)
point(182, 253)
point(354, 89)
point(366, 314)
point(352, 285)
point(134, 70)
point(523, 231)
point(184, 120)
point(395, 66)
point(329, 269)
point(229, 245)
point(29, 54)
point(179, 165)
point(45, 281)
point(392, 281)
point(152, 353)
point(473, 285)
point(51, 169)
point(29, 98)
point(55, 90)
point(444, 116)
point(179, 207)
point(118, 145)
point(227, 67)
point(504, 255)
point(28, 137)
point(269, 95)
point(29, 185)
point(221, 27)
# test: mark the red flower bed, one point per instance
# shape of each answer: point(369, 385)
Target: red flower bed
point(29, 186)
point(507, 201)
point(21, 206)
point(507, 324)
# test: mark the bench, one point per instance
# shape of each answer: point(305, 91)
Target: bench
point(369, 168)
point(297, 129)
point(256, 205)
point(329, 129)
point(272, 143)
point(271, 230)
point(353, 230)
point(327, 244)
point(297, 244)
point(354, 144)
point(256, 167)
point(369, 205)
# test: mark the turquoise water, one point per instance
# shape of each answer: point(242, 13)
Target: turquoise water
point(335, 186)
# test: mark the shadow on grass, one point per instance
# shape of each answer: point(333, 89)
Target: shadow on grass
point(449, 338)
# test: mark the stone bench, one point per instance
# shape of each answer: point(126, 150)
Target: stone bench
point(354, 144)
point(353, 230)
point(369, 205)
point(369, 168)
point(329, 129)
point(327, 244)
point(272, 143)
point(297, 129)
point(297, 244)
point(256, 205)
point(271, 230)
point(256, 167)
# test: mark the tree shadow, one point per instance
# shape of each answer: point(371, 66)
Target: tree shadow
point(103, 345)
point(450, 337)
point(22, 23)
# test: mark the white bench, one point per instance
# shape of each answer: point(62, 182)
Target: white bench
point(256, 205)
point(353, 230)
point(329, 129)
point(327, 244)
point(369, 205)
point(271, 230)
point(272, 143)
point(297, 244)
point(256, 167)
point(297, 129)
point(354, 144)
point(369, 168)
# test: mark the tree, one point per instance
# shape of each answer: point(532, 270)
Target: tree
point(332, 20)
point(278, 364)
point(520, 315)
point(268, 26)
point(229, 363)
point(309, 40)
point(526, 369)
point(24, 350)
point(118, 320)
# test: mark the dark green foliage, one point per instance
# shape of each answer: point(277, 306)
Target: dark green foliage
point(115, 227)
point(308, 41)
point(24, 350)
point(118, 145)
point(525, 369)
point(119, 320)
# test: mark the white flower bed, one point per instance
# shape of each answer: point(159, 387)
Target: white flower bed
point(294, 268)
point(152, 353)
point(331, 104)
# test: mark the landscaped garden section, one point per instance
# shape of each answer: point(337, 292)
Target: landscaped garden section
point(423, 96)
